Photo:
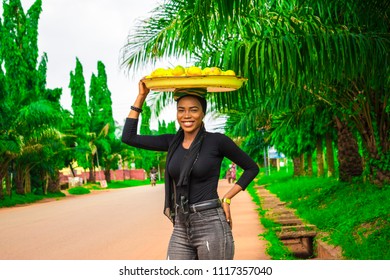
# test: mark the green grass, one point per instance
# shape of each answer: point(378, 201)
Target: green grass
point(128, 183)
point(113, 185)
point(85, 189)
point(17, 199)
point(356, 216)
point(79, 190)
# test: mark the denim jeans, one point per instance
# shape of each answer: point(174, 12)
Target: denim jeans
point(205, 236)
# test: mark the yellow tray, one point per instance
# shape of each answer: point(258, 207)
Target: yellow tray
point(218, 83)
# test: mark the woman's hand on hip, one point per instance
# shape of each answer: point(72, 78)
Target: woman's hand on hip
point(226, 200)
point(226, 209)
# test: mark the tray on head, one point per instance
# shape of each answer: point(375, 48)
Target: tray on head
point(220, 83)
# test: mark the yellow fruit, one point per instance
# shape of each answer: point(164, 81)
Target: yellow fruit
point(229, 73)
point(159, 72)
point(206, 71)
point(178, 71)
point(194, 71)
point(215, 71)
point(169, 72)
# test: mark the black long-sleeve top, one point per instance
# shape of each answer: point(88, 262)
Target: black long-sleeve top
point(206, 171)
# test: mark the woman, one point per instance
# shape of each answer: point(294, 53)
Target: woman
point(202, 222)
point(153, 176)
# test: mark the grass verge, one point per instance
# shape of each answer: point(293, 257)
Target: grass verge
point(355, 216)
point(16, 199)
point(275, 248)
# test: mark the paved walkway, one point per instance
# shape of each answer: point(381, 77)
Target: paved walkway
point(246, 226)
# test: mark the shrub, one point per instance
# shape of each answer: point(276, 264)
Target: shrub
point(79, 190)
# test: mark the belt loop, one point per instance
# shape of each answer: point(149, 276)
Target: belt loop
point(184, 205)
point(177, 206)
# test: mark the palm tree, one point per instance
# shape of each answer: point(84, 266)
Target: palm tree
point(335, 50)
point(30, 112)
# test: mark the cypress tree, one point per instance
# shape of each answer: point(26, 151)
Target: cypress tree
point(81, 117)
point(100, 103)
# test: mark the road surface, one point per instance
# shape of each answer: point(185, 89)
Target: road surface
point(123, 224)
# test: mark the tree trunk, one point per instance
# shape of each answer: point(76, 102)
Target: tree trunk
point(8, 184)
point(3, 174)
point(297, 166)
point(350, 161)
point(27, 181)
point(92, 177)
point(72, 170)
point(92, 174)
point(3, 171)
point(330, 155)
point(309, 164)
point(278, 164)
point(107, 175)
point(4, 166)
point(376, 139)
point(1, 189)
point(320, 157)
point(19, 187)
point(45, 182)
point(382, 176)
point(53, 185)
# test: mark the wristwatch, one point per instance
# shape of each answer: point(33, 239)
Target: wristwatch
point(226, 200)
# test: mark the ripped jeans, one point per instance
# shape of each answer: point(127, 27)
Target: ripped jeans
point(206, 236)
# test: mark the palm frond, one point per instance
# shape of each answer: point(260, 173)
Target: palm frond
point(158, 101)
point(10, 146)
point(38, 114)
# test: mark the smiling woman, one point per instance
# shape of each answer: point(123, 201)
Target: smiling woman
point(190, 114)
point(202, 221)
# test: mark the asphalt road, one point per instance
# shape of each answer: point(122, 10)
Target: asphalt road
point(123, 224)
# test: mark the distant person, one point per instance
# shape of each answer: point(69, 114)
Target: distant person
point(202, 221)
point(229, 175)
point(153, 176)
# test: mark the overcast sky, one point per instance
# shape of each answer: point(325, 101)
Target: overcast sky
point(91, 30)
